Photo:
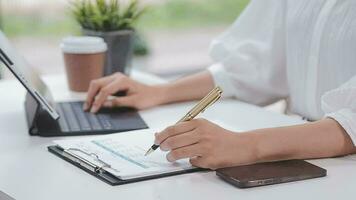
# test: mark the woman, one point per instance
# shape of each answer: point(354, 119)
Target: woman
point(304, 51)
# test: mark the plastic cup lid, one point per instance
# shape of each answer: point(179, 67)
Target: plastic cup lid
point(83, 45)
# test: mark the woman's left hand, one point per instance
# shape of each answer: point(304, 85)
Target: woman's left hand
point(206, 144)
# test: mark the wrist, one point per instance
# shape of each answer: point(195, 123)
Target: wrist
point(161, 93)
point(253, 146)
point(262, 151)
point(248, 141)
point(269, 147)
point(258, 149)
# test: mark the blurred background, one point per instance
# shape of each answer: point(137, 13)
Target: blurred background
point(175, 33)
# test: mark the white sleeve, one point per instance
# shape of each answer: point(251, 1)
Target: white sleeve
point(250, 55)
point(340, 105)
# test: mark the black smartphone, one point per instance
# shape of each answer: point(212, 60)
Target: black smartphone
point(270, 173)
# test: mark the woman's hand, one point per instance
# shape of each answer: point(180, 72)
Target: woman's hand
point(138, 96)
point(206, 145)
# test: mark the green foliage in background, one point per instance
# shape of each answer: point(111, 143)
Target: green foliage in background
point(171, 14)
point(102, 15)
point(182, 14)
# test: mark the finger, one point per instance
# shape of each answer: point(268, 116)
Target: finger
point(178, 141)
point(105, 92)
point(108, 104)
point(184, 152)
point(127, 101)
point(94, 88)
point(198, 162)
point(174, 130)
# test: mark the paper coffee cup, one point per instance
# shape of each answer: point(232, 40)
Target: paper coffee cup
point(84, 59)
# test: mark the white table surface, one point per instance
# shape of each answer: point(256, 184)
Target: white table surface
point(28, 171)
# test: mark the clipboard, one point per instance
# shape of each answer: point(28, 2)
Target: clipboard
point(100, 173)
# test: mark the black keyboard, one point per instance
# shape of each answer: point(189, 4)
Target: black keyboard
point(74, 119)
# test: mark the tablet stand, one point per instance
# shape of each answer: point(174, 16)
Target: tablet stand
point(35, 114)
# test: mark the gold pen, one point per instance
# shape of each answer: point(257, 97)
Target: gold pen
point(203, 104)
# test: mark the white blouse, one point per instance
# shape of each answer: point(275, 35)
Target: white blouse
point(301, 50)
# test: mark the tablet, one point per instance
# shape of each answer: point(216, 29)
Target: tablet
point(26, 75)
point(270, 173)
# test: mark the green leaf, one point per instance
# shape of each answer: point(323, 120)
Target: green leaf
point(106, 15)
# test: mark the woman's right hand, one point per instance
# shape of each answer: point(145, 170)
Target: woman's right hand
point(138, 95)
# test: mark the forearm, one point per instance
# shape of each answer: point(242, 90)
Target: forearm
point(188, 88)
point(324, 138)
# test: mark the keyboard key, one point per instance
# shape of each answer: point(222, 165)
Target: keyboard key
point(93, 120)
point(105, 121)
point(62, 121)
point(80, 114)
point(70, 117)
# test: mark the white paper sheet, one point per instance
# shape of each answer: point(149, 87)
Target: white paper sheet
point(125, 153)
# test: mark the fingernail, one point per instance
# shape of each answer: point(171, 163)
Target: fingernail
point(107, 104)
point(93, 109)
point(85, 106)
point(170, 158)
point(156, 140)
point(164, 148)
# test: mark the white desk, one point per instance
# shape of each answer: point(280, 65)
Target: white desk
point(28, 171)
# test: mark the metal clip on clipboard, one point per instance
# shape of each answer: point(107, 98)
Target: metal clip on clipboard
point(68, 153)
point(100, 170)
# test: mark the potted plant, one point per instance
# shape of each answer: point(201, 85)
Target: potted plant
point(113, 20)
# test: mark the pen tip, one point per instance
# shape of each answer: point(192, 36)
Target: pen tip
point(149, 152)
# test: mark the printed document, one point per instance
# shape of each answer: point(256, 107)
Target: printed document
point(124, 153)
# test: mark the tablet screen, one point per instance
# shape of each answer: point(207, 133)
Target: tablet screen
point(26, 75)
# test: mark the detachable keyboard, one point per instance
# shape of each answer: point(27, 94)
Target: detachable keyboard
point(75, 119)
